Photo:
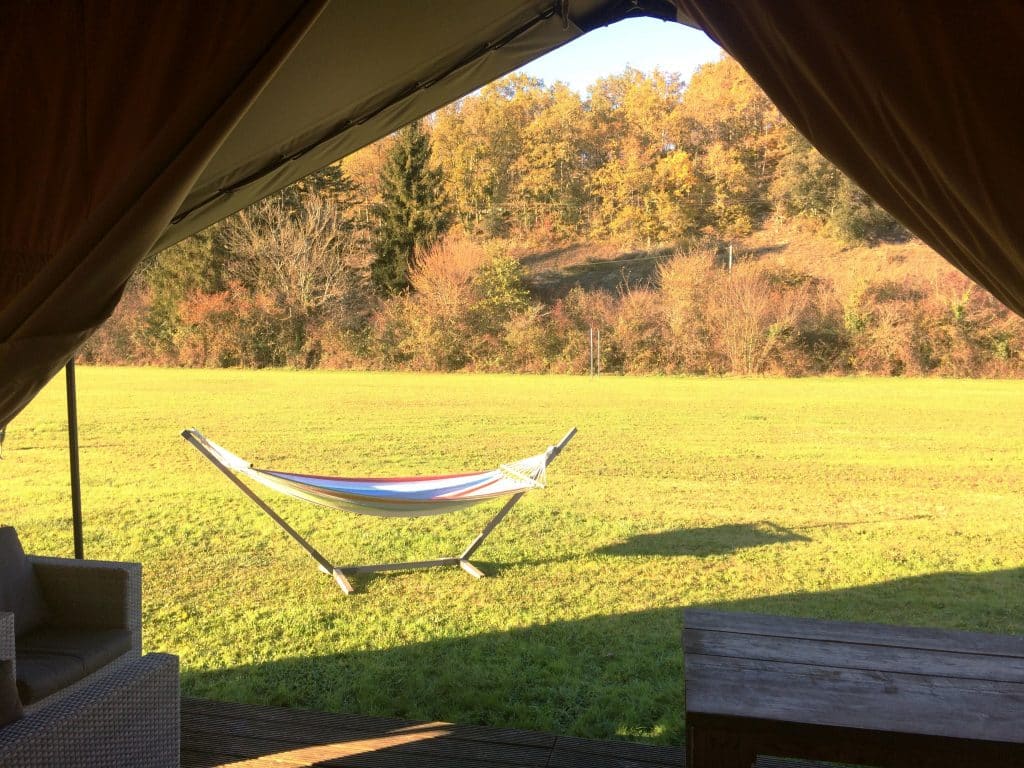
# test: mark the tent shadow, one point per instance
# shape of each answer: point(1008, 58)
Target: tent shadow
point(600, 676)
point(703, 542)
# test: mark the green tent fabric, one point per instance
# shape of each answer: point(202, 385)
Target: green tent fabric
point(130, 125)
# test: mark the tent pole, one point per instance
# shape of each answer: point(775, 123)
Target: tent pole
point(76, 479)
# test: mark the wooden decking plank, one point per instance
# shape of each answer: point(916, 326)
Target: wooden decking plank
point(241, 733)
point(365, 723)
point(570, 759)
point(229, 735)
point(364, 754)
point(427, 741)
point(920, 638)
point(657, 757)
point(200, 758)
point(629, 750)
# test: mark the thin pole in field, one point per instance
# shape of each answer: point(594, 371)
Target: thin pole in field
point(591, 350)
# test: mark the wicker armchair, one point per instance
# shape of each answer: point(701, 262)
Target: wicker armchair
point(71, 666)
point(130, 716)
point(91, 595)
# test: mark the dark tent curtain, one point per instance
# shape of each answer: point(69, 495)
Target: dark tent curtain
point(111, 110)
point(919, 103)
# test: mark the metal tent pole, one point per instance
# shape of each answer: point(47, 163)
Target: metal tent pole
point(76, 478)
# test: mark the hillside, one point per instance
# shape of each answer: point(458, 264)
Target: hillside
point(795, 303)
point(553, 272)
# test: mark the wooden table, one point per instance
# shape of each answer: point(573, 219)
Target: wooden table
point(858, 693)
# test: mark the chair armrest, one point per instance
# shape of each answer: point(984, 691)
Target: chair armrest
point(6, 636)
point(130, 717)
point(92, 594)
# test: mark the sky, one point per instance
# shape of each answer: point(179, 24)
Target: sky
point(644, 44)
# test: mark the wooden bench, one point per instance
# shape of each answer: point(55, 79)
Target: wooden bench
point(856, 693)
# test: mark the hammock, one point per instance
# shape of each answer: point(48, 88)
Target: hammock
point(393, 496)
point(388, 496)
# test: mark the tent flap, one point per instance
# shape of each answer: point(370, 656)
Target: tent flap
point(114, 124)
point(919, 106)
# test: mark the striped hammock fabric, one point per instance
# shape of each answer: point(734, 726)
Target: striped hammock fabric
point(393, 496)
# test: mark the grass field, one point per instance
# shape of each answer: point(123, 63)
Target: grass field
point(878, 500)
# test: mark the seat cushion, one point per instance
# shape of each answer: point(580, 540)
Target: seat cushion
point(20, 592)
point(49, 659)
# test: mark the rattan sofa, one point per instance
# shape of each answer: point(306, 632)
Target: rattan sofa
point(94, 595)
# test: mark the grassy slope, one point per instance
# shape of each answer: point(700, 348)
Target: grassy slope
point(885, 500)
point(554, 271)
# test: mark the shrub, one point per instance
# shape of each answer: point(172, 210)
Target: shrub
point(687, 282)
point(754, 316)
point(529, 345)
point(638, 335)
point(890, 331)
point(572, 319)
point(123, 338)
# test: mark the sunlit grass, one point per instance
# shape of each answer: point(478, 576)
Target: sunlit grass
point(877, 500)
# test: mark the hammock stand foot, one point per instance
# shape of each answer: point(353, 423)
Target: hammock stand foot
point(344, 583)
point(342, 573)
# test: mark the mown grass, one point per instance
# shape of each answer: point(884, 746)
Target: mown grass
point(877, 500)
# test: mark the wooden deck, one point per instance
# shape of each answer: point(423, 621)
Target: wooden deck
point(246, 736)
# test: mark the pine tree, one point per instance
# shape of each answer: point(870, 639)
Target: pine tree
point(412, 212)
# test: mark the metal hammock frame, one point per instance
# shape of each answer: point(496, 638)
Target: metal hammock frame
point(340, 574)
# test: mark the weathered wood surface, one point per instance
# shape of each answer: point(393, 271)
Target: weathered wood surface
point(853, 692)
point(219, 734)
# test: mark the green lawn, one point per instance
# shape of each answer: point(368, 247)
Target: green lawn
point(879, 500)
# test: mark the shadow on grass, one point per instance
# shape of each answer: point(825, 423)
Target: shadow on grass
point(616, 676)
point(704, 542)
point(684, 542)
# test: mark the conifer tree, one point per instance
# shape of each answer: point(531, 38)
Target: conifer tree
point(412, 212)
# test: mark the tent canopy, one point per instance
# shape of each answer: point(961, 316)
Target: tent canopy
point(131, 125)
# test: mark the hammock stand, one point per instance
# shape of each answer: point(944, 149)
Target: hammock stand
point(231, 465)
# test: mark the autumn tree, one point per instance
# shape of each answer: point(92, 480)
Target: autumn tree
point(552, 169)
point(737, 137)
point(300, 261)
point(412, 212)
point(481, 142)
point(807, 186)
point(332, 184)
point(194, 265)
point(644, 179)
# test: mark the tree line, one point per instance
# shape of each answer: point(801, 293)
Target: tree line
point(408, 254)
